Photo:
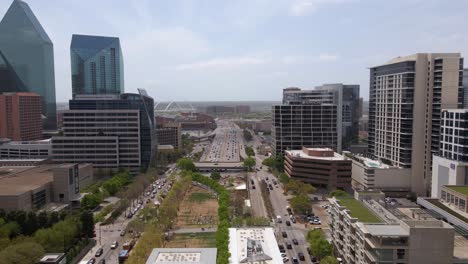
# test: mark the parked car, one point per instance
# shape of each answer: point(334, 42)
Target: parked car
point(114, 245)
point(99, 252)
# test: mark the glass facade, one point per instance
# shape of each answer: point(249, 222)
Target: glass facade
point(96, 65)
point(27, 58)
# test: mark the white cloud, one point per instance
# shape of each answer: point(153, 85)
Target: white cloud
point(224, 62)
point(305, 7)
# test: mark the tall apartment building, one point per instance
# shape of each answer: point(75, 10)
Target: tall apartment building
point(450, 164)
point(372, 229)
point(118, 131)
point(20, 116)
point(405, 102)
point(27, 58)
point(465, 88)
point(96, 65)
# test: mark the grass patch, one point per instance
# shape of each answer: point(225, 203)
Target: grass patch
point(199, 240)
point(460, 189)
point(199, 197)
point(357, 210)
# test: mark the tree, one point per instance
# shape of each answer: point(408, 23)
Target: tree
point(90, 201)
point(247, 135)
point(301, 204)
point(329, 260)
point(186, 164)
point(321, 248)
point(249, 163)
point(249, 151)
point(215, 175)
point(87, 224)
point(26, 252)
point(283, 178)
point(10, 230)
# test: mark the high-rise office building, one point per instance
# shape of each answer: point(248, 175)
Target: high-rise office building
point(298, 125)
point(27, 58)
point(119, 129)
point(96, 65)
point(20, 116)
point(405, 102)
point(305, 128)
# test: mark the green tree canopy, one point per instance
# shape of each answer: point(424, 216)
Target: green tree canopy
point(298, 187)
point(25, 253)
point(215, 175)
point(329, 260)
point(186, 164)
point(87, 223)
point(249, 163)
point(318, 244)
point(301, 204)
point(249, 151)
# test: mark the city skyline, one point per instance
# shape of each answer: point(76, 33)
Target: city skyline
point(250, 50)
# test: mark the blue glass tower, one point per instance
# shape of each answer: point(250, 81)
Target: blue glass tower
point(96, 65)
point(27, 58)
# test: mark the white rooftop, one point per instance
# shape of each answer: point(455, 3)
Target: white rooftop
point(253, 245)
point(386, 230)
point(302, 154)
point(182, 256)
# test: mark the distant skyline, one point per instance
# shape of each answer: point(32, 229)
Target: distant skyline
point(249, 50)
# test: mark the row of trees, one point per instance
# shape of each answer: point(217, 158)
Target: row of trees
point(222, 234)
point(249, 151)
point(320, 246)
point(15, 223)
point(100, 191)
point(160, 222)
point(59, 237)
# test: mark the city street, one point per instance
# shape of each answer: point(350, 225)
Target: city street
point(106, 234)
point(256, 199)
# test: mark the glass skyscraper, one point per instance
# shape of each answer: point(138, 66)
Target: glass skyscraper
point(96, 65)
point(27, 58)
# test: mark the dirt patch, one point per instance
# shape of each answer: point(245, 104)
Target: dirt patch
point(195, 212)
point(199, 240)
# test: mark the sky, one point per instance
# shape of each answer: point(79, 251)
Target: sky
point(249, 50)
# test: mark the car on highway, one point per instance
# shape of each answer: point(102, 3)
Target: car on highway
point(295, 242)
point(284, 255)
point(285, 260)
point(114, 245)
point(301, 256)
point(284, 234)
point(91, 261)
point(295, 260)
point(102, 261)
point(99, 252)
point(288, 245)
point(281, 248)
point(288, 223)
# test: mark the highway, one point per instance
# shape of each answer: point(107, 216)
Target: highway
point(226, 145)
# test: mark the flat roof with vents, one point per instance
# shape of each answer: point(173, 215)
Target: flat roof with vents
point(182, 256)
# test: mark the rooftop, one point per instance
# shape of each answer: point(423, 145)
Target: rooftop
point(463, 189)
point(182, 256)
point(358, 210)
point(304, 155)
point(386, 230)
point(253, 245)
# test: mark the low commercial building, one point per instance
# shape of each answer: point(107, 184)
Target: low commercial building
point(38, 149)
point(253, 245)
point(31, 188)
point(318, 166)
point(53, 258)
point(182, 256)
point(373, 229)
point(369, 174)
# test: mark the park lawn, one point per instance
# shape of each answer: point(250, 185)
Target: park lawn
point(199, 197)
point(461, 189)
point(359, 211)
point(192, 240)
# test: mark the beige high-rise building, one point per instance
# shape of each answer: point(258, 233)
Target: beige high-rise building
point(405, 102)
